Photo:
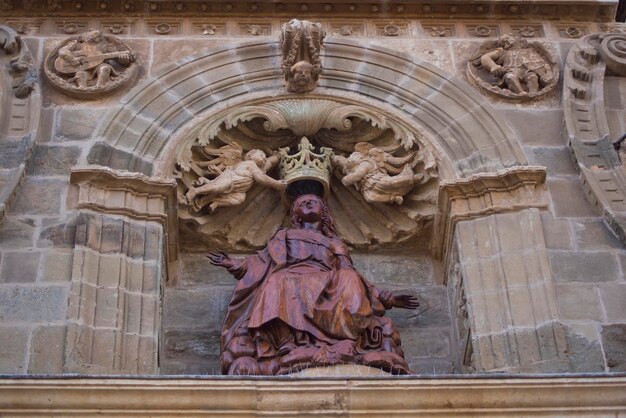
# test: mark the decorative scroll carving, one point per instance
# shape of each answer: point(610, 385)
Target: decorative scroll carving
point(513, 68)
point(89, 65)
point(587, 126)
point(21, 67)
point(301, 43)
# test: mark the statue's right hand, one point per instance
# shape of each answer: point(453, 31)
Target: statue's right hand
point(78, 61)
point(220, 259)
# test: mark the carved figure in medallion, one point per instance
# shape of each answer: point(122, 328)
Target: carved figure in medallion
point(514, 68)
point(378, 175)
point(90, 63)
point(301, 42)
point(299, 302)
point(234, 176)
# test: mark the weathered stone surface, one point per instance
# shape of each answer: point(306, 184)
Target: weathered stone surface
point(431, 366)
point(19, 267)
point(39, 197)
point(614, 299)
point(33, 304)
point(578, 302)
point(47, 349)
point(46, 125)
point(197, 271)
point(13, 151)
point(558, 161)
point(13, 349)
point(57, 266)
point(614, 342)
point(392, 270)
point(568, 198)
point(197, 308)
point(58, 233)
point(425, 343)
point(77, 123)
point(192, 346)
point(52, 160)
point(556, 232)
point(576, 266)
point(16, 233)
point(537, 126)
point(594, 235)
point(104, 154)
point(585, 355)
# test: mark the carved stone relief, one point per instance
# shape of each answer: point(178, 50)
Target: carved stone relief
point(382, 188)
point(513, 68)
point(301, 42)
point(90, 65)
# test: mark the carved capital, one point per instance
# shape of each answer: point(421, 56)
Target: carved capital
point(134, 195)
point(484, 194)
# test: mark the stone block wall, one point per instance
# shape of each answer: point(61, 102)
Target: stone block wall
point(38, 244)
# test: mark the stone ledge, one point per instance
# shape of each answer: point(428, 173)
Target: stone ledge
point(288, 396)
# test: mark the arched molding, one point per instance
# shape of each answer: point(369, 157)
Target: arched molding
point(461, 122)
point(603, 175)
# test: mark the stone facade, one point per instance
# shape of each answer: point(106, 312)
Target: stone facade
point(517, 254)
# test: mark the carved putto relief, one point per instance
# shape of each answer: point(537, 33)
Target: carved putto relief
point(378, 176)
point(513, 68)
point(301, 42)
point(20, 62)
point(90, 65)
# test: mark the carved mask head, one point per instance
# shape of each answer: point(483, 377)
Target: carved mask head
point(302, 77)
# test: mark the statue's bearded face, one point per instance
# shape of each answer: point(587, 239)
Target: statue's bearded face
point(309, 208)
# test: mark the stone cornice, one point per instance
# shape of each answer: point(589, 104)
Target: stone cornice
point(589, 10)
point(571, 396)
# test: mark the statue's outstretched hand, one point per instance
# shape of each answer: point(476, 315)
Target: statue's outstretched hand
point(404, 300)
point(220, 259)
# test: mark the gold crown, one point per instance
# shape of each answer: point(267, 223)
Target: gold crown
point(306, 164)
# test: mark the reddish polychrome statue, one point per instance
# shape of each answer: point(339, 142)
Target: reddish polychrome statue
point(299, 303)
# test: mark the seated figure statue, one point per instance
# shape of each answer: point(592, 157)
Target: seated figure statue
point(299, 302)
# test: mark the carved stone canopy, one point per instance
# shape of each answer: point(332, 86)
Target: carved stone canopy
point(344, 129)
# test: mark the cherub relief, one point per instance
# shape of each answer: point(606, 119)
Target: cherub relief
point(234, 176)
point(301, 42)
point(378, 175)
point(516, 66)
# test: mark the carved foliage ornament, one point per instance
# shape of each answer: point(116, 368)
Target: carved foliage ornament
point(20, 62)
point(90, 65)
point(512, 68)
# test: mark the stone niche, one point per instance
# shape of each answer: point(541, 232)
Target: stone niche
point(390, 243)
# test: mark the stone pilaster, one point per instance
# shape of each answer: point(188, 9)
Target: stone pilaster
point(121, 255)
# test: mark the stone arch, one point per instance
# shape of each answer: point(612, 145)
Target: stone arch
point(462, 123)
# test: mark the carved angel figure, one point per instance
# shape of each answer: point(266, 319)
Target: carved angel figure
point(517, 66)
point(378, 175)
point(233, 177)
